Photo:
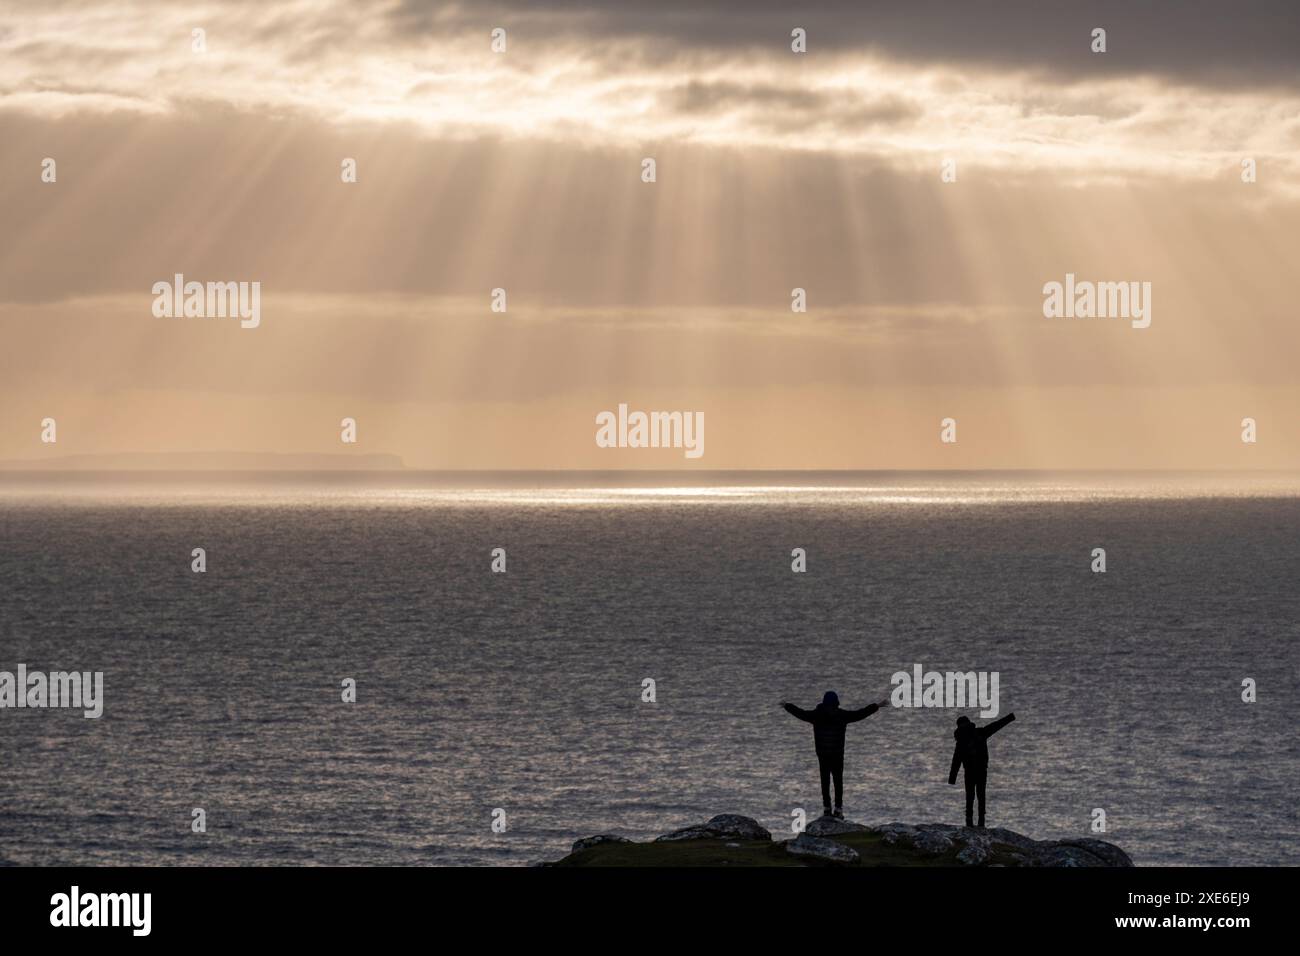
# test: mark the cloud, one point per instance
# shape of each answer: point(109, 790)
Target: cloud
point(1202, 42)
point(522, 171)
point(786, 110)
point(596, 74)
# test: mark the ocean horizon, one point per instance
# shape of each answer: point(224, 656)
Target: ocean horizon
point(522, 691)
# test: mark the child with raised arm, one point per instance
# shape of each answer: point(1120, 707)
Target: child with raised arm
point(972, 752)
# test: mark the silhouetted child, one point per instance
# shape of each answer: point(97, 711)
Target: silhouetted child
point(972, 752)
point(828, 737)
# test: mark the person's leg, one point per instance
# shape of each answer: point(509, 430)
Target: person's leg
point(837, 771)
point(979, 790)
point(970, 796)
point(824, 768)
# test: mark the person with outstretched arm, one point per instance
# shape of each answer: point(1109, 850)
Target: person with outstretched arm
point(972, 752)
point(828, 722)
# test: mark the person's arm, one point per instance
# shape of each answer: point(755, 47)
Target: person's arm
point(855, 715)
point(798, 712)
point(997, 725)
point(956, 764)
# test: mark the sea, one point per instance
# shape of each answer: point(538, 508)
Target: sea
point(624, 673)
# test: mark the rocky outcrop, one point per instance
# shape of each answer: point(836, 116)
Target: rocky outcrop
point(830, 826)
point(974, 846)
point(822, 849)
point(730, 839)
point(725, 826)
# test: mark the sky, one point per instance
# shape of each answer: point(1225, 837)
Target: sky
point(522, 170)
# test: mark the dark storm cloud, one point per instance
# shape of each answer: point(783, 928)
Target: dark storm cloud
point(1196, 41)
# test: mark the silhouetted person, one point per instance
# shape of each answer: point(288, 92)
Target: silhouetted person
point(828, 737)
point(972, 752)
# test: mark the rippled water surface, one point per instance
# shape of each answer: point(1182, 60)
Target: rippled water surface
point(523, 690)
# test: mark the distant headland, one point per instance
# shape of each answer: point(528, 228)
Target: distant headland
point(208, 461)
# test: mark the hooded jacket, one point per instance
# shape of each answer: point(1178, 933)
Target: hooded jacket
point(829, 721)
point(972, 751)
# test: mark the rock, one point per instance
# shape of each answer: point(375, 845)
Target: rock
point(976, 852)
point(1108, 853)
point(976, 847)
point(1084, 852)
point(829, 826)
point(725, 826)
point(1009, 837)
point(893, 833)
point(826, 840)
point(819, 848)
point(933, 840)
point(600, 838)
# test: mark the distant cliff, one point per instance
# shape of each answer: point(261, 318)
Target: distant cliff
point(733, 840)
point(207, 461)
